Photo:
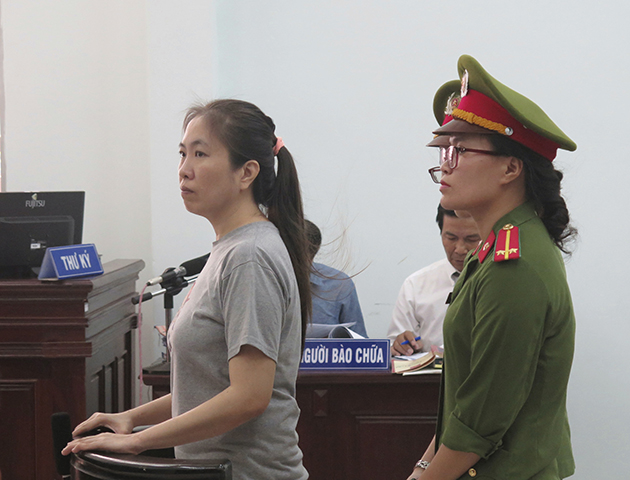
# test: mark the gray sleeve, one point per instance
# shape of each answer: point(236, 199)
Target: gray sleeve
point(254, 308)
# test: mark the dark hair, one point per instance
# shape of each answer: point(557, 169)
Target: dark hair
point(314, 237)
point(248, 134)
point(542, 188)
point(441, 211)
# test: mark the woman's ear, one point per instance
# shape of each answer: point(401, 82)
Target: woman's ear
point(249, 172)
point(513, 167)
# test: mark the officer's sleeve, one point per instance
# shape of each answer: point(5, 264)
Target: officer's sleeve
point(510, 305)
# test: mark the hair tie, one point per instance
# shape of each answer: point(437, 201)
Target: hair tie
point(279, 144)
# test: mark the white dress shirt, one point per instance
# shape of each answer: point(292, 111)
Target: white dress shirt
point(421, 303)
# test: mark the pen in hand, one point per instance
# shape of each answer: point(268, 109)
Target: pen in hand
point(406, 342)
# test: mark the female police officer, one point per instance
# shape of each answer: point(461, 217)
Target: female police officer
point(509, 329)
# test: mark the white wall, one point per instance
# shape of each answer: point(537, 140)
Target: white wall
point(77, 115)
point(77, 112)
point(96, 93)
point(180, 58)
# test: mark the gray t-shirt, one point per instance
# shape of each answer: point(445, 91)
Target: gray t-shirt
point(246, 294)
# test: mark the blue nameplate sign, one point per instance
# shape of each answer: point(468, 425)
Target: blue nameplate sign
point(345, 354)
point(70, 262)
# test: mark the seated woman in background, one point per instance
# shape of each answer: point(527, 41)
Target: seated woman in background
point(335, 298)
point(236, 341)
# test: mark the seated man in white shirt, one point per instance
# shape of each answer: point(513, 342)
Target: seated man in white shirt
point(421, 304)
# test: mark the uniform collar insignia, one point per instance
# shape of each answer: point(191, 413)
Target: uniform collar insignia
point(486, 247)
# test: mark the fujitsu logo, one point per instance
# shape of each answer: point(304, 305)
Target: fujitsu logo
point(34, 203)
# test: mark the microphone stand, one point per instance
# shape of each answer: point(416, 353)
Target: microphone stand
point(169, 290)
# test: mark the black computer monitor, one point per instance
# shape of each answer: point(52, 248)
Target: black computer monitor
point(30, 222)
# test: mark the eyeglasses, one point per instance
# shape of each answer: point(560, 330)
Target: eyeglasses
point(451, 155)
point(436, 174)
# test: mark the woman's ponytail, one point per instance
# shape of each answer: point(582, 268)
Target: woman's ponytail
point(284, 209)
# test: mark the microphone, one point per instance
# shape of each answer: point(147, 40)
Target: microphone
point(190, 267)
point(62, 435)
point(168, 275)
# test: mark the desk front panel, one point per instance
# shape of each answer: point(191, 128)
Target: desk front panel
point(365, 426)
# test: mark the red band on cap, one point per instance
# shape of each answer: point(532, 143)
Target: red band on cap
point(478, 109)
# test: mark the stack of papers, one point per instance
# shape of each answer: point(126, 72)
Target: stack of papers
point(324, 330)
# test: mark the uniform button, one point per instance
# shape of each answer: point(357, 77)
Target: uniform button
point(472, 472)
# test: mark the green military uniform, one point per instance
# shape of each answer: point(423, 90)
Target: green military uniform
point(509, 340)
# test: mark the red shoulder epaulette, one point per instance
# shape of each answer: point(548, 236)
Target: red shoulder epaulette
point(485, 247)
point(508, 246)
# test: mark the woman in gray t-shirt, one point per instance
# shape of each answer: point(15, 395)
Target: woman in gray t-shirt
point(236, 341)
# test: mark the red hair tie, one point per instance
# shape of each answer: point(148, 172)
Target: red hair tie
point(279, 144)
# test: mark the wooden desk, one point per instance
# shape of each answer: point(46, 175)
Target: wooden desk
point(357, 426)
point(64, 347)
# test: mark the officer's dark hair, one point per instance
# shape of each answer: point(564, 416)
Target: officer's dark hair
point(441, 211)
point(248, 134)
point(542, 187)
point(314, 237)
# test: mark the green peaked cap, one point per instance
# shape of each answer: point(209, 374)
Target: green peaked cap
point(522, 109)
